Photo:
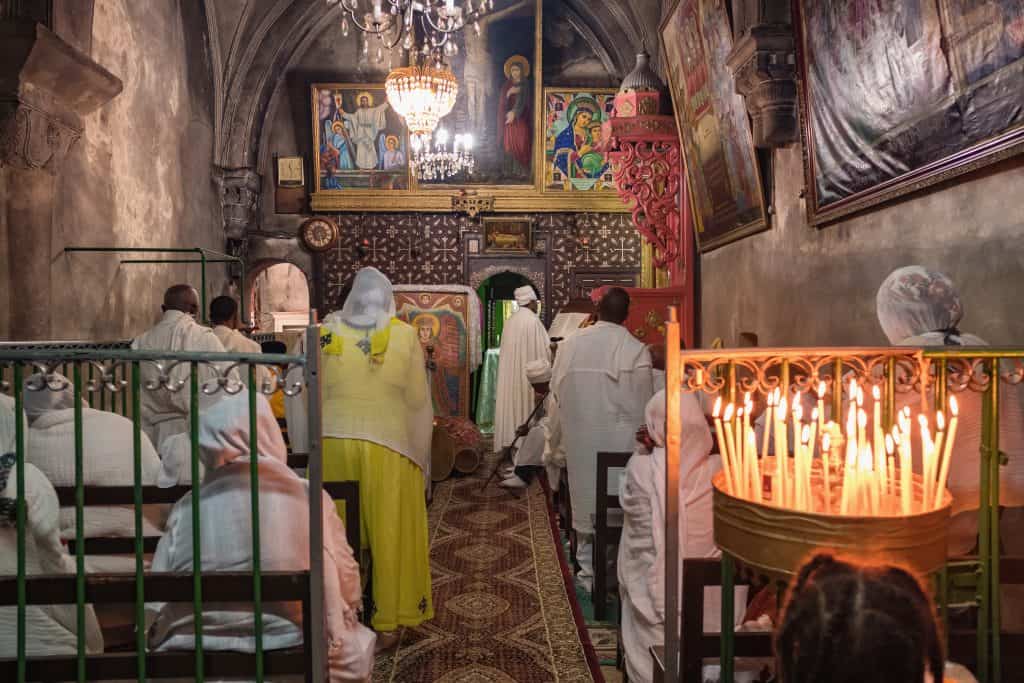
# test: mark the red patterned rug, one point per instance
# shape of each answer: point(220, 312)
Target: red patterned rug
point(505, 606)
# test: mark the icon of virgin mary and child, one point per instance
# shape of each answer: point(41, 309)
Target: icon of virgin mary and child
point(576, 152)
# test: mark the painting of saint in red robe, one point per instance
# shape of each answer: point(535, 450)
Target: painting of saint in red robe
point(515, 118)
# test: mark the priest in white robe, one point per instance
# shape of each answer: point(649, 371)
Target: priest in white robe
point(641, 562)
point(540, 437)
point(602, 379)
point(523, 340)
point(165, 413)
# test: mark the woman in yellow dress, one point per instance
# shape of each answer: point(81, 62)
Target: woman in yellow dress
point(377, 419)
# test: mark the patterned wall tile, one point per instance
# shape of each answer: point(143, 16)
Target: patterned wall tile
point(428, 248)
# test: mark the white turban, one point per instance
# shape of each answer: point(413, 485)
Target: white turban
point(525, 295)
point(538, 371)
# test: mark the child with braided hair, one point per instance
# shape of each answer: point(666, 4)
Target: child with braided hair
point(845, 622)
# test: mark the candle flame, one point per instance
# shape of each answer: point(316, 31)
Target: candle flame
point(860, 397)
point(875, 394)
point(889, 446)
point(821, 389)
point(862, 418)
point(826, 441)
point(953, 410)
point(940, 421)
point(718, 407)
point(814, 414)
point(728, 412)
point(782, 406)
point(805, 435)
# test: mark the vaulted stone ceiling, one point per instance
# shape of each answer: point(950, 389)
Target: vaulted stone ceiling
point(253, 43)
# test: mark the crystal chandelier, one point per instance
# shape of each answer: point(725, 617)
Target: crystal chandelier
point(421, 95)
point(393, 22)
point(434, 161)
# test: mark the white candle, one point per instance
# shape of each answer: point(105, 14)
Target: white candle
point(826, 442)
point(722, 447)
point(902, 439)
point(947, 451)
point(730, 449)
point(878, 442)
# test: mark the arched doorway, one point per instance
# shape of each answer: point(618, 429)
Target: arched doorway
point(279, 298)
point(497, 294)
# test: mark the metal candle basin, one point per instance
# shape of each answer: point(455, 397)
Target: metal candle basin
point(776, 541)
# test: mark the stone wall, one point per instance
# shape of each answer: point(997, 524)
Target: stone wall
point(800, 285)
point(140, 174)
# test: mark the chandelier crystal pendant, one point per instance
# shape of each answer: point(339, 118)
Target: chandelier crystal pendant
point(393, 22)
point(432, 160)
point(421, 95)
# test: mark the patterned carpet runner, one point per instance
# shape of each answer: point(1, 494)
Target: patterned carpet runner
point(504, 608)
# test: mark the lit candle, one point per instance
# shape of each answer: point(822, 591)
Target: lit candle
point(826, 442)
point(867, 467)
point(947, 451)
point(804, 482)
point(822, 388)
point(862, 428)
point(878, 442)
point(927, 462)
point(722, 447)
point(730, 449)
point(940, 432)
point(849, 477)
point(782, 451)
point(752, 463)
point(741, 461)
point(769, 400)
point(902, 439)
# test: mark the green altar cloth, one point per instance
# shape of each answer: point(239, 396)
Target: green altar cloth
point(488, 392)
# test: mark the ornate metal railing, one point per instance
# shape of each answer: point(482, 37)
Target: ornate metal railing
point(113, 377)
point(931, 373)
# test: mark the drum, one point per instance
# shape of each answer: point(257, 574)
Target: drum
point(455, 446)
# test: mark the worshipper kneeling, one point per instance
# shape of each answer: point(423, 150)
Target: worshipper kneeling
point(165, 413)
point(602, 379)
point(51, 630)
point(377, 422)
point(523, 340)
point(845, 622)
point(641, 561)
point(108, 459)
point(226, 540)
point(541, 436)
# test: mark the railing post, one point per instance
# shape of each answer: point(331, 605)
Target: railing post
point(254, 492)
point(197, 540)
point(314, 472)
point(673, 439)
point(19, 454)
point(140, 566)
point(79, 519)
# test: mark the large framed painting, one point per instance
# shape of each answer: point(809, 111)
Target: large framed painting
point(442, 327)
point(714, 129)
point(573, 161)
point(905, 95)
point(498, 69)
point(360, 142)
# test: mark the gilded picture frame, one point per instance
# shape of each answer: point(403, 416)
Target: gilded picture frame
point(726, 189)
point(573, 161)
point(507, 235)
point(359, 142)
point(508, 198)
point(960, 114)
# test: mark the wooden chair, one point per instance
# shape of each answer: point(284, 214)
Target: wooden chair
point(605, 535)
point(99, 589)
point(694, 644)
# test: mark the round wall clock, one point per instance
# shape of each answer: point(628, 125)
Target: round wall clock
point(319, 234)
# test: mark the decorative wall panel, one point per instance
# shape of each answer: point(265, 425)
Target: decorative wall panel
point(424, 248)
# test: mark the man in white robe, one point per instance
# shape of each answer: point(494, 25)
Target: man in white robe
point(523, 340)
point(165, 413)
point(539, 438)
point(602, 380)
point(366, 122)
point(224, 318)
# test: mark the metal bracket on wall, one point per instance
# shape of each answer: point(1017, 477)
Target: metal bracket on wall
point(472, 204)
point(205, 256)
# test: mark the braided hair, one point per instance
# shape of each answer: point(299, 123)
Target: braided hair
point(850, 623)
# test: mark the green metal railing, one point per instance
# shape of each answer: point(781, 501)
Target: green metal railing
point(123, 372)
point(931, 373)
point(205, 256)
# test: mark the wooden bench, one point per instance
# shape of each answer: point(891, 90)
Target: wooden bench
point(694, 644)
point(227, 587)
point(605, 535)
point(347, 491)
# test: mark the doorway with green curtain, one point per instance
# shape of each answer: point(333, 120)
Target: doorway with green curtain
point(497, 294)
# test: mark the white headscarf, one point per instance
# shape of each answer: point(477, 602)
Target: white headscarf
point(371, 304)
point(224, 432)
point(55, 393)
point(538, 371)
point(920, 307)
point(524, 295)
